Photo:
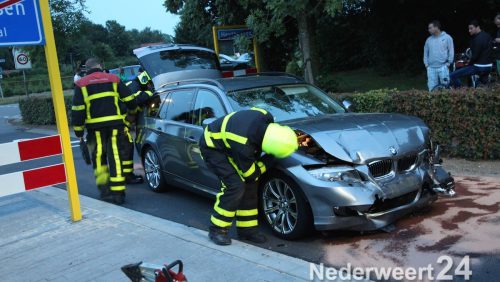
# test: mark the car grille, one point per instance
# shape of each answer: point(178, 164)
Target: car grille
point(407, 162)
point(380, 168)
point(381, 206)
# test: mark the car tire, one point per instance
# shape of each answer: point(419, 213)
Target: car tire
point(153, 172)
point(284, 207)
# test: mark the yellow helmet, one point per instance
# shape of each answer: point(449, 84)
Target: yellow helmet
point(279, 141)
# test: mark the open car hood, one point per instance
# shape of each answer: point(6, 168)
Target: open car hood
point(360, 138)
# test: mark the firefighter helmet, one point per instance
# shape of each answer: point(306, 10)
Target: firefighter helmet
point(279, 141)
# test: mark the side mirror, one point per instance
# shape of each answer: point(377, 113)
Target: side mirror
point(207, 121)
point(347, 105)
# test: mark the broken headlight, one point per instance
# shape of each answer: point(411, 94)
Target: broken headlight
point(337, 173)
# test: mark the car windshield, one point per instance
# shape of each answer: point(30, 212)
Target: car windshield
point(179, 60)
point(286, 102)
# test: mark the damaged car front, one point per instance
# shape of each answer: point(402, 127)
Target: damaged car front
point(356, 171)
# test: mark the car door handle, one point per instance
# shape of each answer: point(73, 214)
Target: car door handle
point(191, 139)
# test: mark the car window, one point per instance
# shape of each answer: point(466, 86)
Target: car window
point(207, 105)
point(180, 104)
point(286, 102)
point(164, 107)
point(179, 60)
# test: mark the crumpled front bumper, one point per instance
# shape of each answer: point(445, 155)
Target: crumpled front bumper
point(364, 206)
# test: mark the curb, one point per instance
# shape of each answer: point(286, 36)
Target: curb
point(284, 264)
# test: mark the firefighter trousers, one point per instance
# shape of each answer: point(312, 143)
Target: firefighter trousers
point(107, 148)
point(236, 198)
point(128, 160)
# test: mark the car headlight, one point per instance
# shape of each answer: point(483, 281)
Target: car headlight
point(337, 173)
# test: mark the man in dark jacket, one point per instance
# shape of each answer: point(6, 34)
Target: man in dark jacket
point(232, 147)
point(96, 109)
point(481, 59)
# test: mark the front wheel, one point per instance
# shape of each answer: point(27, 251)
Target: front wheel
point(284, 207)
point(153, 171)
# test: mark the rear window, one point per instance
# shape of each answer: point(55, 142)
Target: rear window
point(179, 60)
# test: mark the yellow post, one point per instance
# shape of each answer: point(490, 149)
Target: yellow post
point(60, 110)
point(216, 40)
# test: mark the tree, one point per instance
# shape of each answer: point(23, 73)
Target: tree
point(275, 16)
point(118, 38)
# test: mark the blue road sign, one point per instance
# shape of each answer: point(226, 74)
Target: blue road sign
point(230, 34)
point(20, 23)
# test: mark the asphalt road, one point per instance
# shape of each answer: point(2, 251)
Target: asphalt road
point(465, 225)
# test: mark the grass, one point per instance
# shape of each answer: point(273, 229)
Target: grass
point(363, 80)
point(16, 99)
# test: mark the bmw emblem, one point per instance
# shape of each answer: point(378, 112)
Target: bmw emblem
point(393, 150)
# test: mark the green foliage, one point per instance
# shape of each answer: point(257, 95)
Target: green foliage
point(465, 121)
point(40, 111)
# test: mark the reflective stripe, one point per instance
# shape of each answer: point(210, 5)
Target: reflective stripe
point(208, 140)
point(250, 171)
point(104, 119)
point(260, 110)
point(236, 168)
point(117, 179)
point(262, 167)
point(220, 210)
point(117, 188)
point(220, 223)
point(128, 162)
point(116, 154)
point(78, 128)
point(78, 108)
point(129, 98)
point(249, 223)
point(128, 170)
point(127, 132)
point(128, 83)
point(223, 129)
point(247, 212)
point(86, 100)
point(101, 172)
point(102, 95)
point(115, 87)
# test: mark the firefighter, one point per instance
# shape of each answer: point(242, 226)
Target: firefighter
point(96, 108)
point(232, 147)
point(141, 86)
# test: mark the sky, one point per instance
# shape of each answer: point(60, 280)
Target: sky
point(148, 13)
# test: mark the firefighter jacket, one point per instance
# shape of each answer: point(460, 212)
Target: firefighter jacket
point(239, 135)
point(96, 102)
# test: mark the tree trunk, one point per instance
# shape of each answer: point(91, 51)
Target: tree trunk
point(305, 47)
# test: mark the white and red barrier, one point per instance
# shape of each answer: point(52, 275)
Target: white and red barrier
point(15, 152)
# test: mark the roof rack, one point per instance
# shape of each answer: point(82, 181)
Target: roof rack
point(275, 73)
point(195, 80)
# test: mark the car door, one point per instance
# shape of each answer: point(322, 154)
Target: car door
point(174, 116)
point(207, 105)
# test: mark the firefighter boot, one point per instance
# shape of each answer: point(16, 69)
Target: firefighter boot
point(105, 193)
point(118, 197)
point(133, 179)
point(251, 234)
point(219, 235)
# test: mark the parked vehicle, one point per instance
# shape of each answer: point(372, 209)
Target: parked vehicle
point(352, 171)
point(130, 71)
point(173, 62)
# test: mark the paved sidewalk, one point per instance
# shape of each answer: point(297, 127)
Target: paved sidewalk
point(38, 242)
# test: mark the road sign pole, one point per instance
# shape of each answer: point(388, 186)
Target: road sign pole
point(60, 110)
point(25, 85)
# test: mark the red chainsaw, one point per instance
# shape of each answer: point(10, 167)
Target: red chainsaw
point(147, 272)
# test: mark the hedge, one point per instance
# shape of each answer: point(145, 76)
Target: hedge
point(465, 122)
point(40, 110)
